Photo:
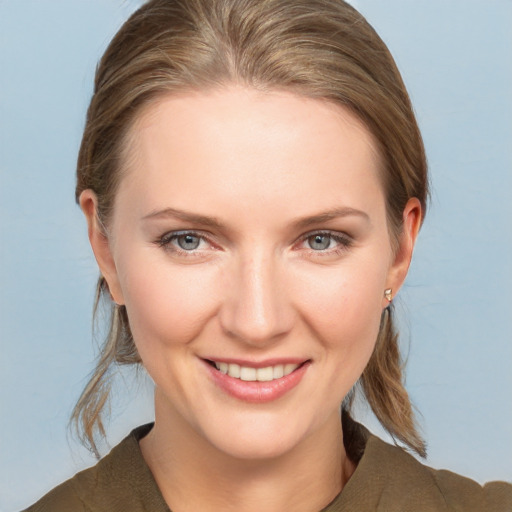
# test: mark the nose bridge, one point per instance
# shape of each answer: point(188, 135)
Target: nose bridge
point(257, 309)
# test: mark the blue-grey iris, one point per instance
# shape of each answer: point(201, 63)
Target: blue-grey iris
point(188, 242)
point(319, 242)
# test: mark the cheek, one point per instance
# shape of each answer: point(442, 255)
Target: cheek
point(344, 307)
point(166, 304)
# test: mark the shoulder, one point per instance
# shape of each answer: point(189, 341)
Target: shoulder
point(120, 481)
point(63, 498)
point(461, 493)
point(416, 483)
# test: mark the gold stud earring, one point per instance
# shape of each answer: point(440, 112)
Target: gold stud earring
point(388, 294)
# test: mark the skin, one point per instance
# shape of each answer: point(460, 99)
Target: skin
point(266, 171)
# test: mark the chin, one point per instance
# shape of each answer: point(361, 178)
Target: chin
point(257, 437)
point(256, 449)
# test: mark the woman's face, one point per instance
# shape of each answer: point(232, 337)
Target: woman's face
point(249, 236)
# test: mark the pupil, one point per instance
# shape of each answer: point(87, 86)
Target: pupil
point(188, 242)
point(320, 242)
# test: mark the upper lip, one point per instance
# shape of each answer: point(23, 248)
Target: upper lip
point(258, 364)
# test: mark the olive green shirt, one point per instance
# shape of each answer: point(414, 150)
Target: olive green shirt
point(387, 479)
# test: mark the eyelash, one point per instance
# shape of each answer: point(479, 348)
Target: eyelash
point(342, 240)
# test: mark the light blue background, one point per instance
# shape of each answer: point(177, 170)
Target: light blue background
point(456, 59)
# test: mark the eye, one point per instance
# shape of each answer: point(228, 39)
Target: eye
point(183, 243)
point(325, 243)
point(320, 241)
point(188, 242)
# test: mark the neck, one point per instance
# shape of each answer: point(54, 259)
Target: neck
point(192, 474)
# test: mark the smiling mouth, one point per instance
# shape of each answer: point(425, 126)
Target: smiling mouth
point(250, 374)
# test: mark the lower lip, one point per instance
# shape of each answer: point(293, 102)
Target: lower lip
point(257, 392)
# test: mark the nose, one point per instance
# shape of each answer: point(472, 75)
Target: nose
point(256, 309)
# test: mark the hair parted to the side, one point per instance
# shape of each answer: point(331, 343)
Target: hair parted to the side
point(321, 49)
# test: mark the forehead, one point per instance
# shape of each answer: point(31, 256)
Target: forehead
point(253, 146)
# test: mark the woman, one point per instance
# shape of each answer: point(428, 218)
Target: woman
point(254, 181)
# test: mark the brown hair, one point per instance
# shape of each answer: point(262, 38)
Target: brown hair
point(318, 48)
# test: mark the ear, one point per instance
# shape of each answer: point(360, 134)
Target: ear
point(101, 245)
point(411, 223)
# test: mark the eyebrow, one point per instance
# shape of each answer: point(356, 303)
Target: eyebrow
point(215, 223)
point(193, 218)
point(332, 214)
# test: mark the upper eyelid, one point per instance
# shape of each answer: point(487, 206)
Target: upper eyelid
point(324, 232)
point(184, 232)
point(330, 232)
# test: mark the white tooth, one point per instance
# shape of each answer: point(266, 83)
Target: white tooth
point(248, 374)
point(288, 368)
point(265, 374)
point(278, 371)
point(256, 374)
point(234, 371)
